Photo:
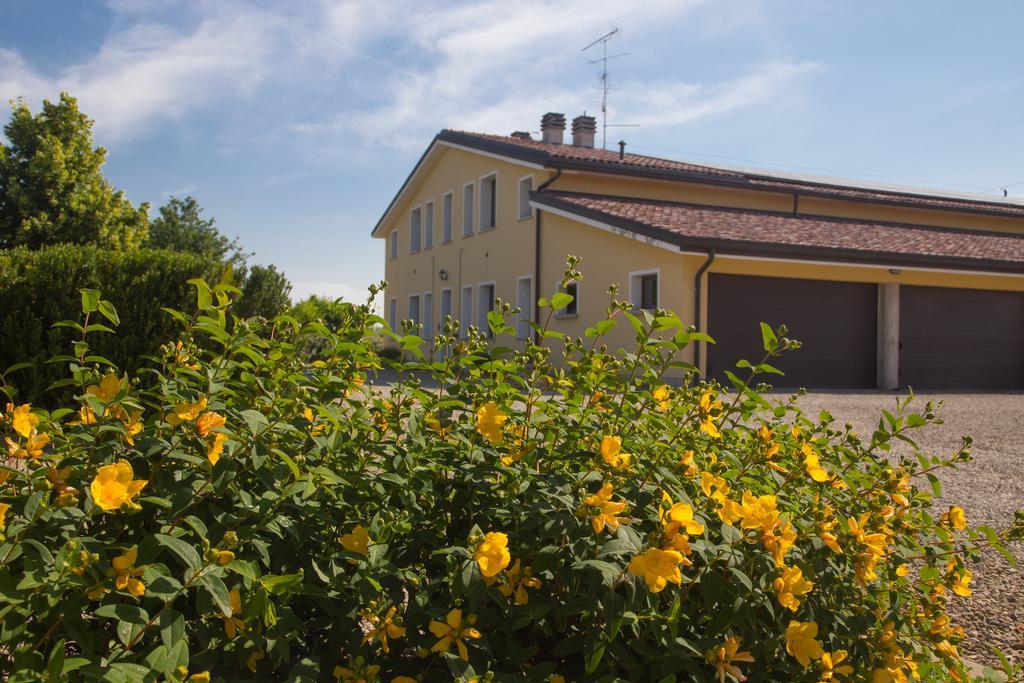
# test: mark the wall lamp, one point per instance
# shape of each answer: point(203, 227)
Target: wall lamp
point(443, 274)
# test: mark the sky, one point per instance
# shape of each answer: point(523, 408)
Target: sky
point(295, 123)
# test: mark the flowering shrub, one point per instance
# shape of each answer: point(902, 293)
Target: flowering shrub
point(229, 513)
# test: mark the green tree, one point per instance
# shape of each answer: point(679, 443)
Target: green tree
point(52, 188)
point(330, 312)
point(182, 227)
point(265, 291)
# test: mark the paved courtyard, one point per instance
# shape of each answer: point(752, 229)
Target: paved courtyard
point(990, 488)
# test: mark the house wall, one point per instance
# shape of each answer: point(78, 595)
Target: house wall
point(499, 255)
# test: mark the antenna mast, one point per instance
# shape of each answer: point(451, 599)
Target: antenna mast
point(603, 60)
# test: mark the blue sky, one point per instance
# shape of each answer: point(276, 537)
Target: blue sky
point(294, 123)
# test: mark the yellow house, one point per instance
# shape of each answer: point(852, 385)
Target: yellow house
point(887, 287)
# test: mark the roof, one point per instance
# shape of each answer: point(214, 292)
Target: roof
point(609, 161)
point(763, 233)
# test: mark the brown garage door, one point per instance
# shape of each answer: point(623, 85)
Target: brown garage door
point(836, 321)
point(961, 338)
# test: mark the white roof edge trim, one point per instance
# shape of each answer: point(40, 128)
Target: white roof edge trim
point(650, 241)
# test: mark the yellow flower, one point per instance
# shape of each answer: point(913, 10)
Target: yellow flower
point(771, 448)
point(960, 583)
point(232, 624)
point(955, 517)
point(778, 544)
point(454, 632)
point(831, 666)
point(609, 510)
point(216, 447)
point(611, 452)
point(125, 570)
point(707, 411)
point(489, 422)
point(676, 517)
point(790, 586)
point(132, 425)
point(714, 487)
point(201, 677)
point(113, 486)
point(24, 421)
point(381, 628)
point(657, 567)
point(518, 449)
point(801, 642)
point(224, 557)
point(661, 395)
point(32, 448)
point(4, 507)
point(813, 464)
point(902, 570)
point(360, 672)
point(252, 663)
point(186, 412)
point(357, 541)
point(686, 460)
point(723, 657)
point(107, 389)
point(492, 554)
point(209, 421)
point(519, 579)
point(759, 512)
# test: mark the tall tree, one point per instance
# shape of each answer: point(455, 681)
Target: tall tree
point(181, 227)
point(265, 291)
point(52, 188)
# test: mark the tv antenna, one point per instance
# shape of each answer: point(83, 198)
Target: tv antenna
point(603, 61)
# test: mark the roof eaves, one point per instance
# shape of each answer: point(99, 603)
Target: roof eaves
point(727, 247)
point(408, 179)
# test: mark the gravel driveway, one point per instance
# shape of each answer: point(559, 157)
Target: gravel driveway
point(989, 489)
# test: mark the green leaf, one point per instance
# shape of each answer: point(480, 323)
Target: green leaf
point(90, 300)
point(109, 312)
point(768, 339)
point(129, 614)
point(276, 585)
point(561, 300)
point(218, 591)
point(256, 420)
point(182, 549)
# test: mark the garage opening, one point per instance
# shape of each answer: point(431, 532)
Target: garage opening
point(836, 321)
point(961, 339)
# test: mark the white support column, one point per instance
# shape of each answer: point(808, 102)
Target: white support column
point(888, 336)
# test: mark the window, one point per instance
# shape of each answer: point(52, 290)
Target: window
point(488, 202)
point(466, 310)
point(414, 308)
point(485, 303)
point(525, 186)
point(524, 302)
point(393, 239)
point(415, 228)
point(446, 306)
point(393, 313)
point(446, 218)
point(643, 290)
point(428, 225)
point(573, 309)
point(467, 210)
point(428, 315)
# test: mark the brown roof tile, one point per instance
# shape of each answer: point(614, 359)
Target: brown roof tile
point(610, 161)
point(825, 237)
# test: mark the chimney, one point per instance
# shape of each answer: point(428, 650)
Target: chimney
point(521, 135)
point(583, 129)
point(552, 127)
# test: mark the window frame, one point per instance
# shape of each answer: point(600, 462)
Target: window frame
point(520, 197)
point(525, 314)
point(428, 224)
point(416, 229)
point(468, 209)
point(440, 304)
point(427, 314)
point(490, 179)
point(415, 319)
point(393, 244)
point(448, 227)
point(575, 313)
point(636, 288)
point(465, 317)
point(393, 312)
point(481, 315)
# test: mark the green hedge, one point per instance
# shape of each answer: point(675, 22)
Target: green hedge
point(39, 288)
